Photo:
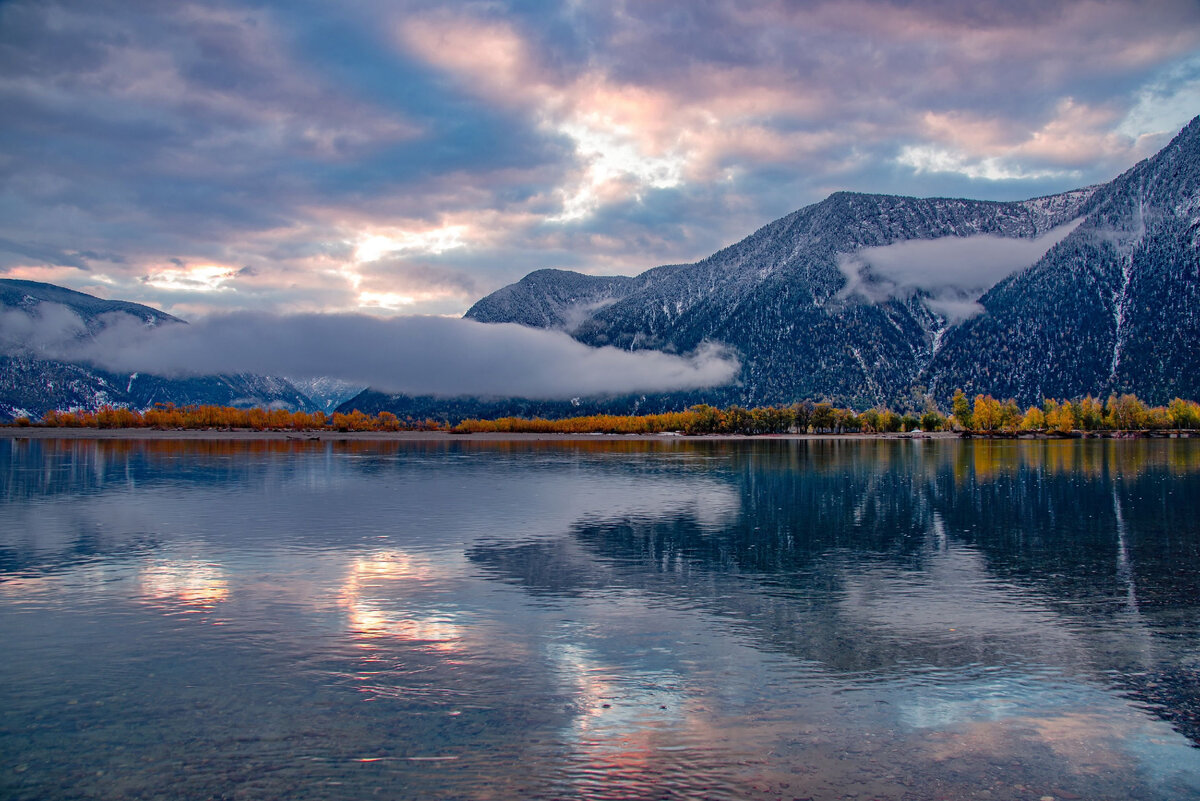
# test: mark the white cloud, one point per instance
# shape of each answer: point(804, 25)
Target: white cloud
point(953, 271)
point(612, 156)
point(414, 355)
point(934, 159)
point(372, 247)
point(200, 278)
point(1165, 104)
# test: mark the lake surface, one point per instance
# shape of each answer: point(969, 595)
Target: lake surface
point(608, 619)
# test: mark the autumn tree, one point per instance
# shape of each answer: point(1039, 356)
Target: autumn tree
point(704, 419)
point(1010, 416)
point(1157, 418)
point(1090, 414)
point(737, 420)
point(960, 407)
point(822, 417)
point(801, 415)
point(1125, 413)
point(987, 413)
point(1060, 417)
point(1034, 419)
point(889, 421)
point(1184, 414)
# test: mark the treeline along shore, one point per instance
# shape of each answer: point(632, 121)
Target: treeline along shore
point(985, 416)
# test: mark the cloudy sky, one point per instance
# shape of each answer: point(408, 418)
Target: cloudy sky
point(408, 158)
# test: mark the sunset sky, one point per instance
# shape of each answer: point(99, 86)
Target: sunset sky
point(408, 158)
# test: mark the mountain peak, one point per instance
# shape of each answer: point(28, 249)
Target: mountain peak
point(782, 297)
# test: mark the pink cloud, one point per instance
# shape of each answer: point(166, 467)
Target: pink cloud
point(678, 139)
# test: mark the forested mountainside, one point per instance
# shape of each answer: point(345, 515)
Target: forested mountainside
point(552, 299)
point(31, 385)
point(774, 297)
point(1112, 307)
point(1115, 307)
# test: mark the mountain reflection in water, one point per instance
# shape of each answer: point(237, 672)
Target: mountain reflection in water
point(610, 618)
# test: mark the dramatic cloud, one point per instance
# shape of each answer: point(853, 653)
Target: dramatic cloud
point(410, 156)
point(953, 271)
point(414, 355)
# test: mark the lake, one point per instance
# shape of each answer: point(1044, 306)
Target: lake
point(607, 618)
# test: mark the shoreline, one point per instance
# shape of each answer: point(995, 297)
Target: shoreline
point(34, 432)
point(153, 434)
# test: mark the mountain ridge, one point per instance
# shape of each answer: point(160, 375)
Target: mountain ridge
point(779, 297)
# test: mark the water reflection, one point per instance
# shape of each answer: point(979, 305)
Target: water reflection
point(372, 584)
point(191, 583)
point(612, 619)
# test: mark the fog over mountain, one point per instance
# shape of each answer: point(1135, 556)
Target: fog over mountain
point(65, 349)
point(859, 299)
point(951, 272)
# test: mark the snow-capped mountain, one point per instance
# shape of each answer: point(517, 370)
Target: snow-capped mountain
point(868, 299)
point(326, 393)
point(32, 384)
point(1115, 307)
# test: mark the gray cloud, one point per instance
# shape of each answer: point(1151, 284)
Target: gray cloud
point(51, 255)
point(415, 355)
point(953, 271)
point(280, 135)
point(419, 276)
point(46, 331)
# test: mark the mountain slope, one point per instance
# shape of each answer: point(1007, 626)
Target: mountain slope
point(775, 298)
point(552, 299)
point(28, 295)
point(1113, 308)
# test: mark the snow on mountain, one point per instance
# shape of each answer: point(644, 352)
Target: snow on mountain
point(1107, 300)
point(326, 393)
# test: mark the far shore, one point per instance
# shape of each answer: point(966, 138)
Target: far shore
point(38, 432)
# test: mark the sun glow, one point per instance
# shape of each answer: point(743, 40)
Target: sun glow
point(385, 300)
point(373, 247)
point(613, 160)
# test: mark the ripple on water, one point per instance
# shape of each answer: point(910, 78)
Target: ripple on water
point(784, 619)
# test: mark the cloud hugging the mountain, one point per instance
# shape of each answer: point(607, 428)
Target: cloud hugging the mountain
point(415, 355)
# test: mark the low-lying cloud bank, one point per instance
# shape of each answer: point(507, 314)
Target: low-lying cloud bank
point(412, 355)
point(954, 271)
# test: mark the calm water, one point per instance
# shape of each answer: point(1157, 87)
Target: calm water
point(898, 620)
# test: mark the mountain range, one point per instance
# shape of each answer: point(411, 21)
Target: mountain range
point(859, 299)
point(868, 299)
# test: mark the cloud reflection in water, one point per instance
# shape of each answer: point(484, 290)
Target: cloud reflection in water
point(191, 583)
